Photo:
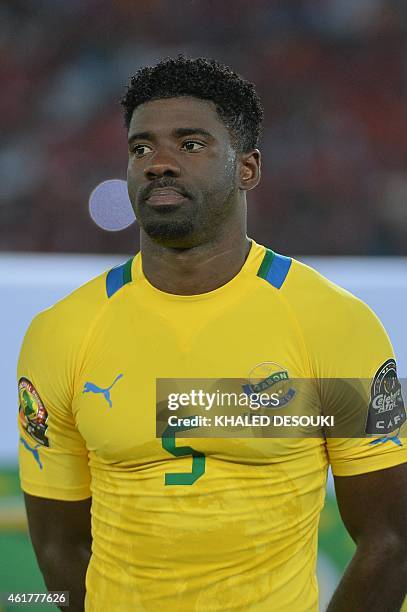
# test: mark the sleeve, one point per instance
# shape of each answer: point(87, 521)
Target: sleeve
point(53, 457)
point(361, 354)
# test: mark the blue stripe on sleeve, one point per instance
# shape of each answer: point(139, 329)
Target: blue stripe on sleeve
point(114, 280)
point(278, 270)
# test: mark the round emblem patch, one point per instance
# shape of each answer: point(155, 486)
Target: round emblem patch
point(32, 413)
point(269, 376)
point(386, 411)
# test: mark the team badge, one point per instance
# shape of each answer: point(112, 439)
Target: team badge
point(386, 411)
point(267, 376)
point(32, 413)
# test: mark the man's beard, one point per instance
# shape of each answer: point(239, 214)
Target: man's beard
point(165, 230)
point(191, 224)
point(169, 226)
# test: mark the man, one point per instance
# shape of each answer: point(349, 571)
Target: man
point(200, 524)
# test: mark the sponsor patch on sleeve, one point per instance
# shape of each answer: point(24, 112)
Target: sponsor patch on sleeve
point(32, 412)
point(386, 412)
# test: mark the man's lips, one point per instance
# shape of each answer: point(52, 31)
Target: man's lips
point(165, 196)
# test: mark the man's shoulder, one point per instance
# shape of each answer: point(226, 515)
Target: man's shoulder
point(324, 306)
point(310, 295)
point(310, 285)
point(81, 303)
point(70, 317)
point(302, 288)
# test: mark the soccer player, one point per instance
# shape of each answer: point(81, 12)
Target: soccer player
point(127, 521)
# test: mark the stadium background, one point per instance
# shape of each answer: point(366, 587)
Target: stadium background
point(332, 75)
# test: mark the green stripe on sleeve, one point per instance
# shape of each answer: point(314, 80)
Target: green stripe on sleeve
point(127, 271)
point(266, 263)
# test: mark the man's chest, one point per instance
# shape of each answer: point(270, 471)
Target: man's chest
point(124, 358)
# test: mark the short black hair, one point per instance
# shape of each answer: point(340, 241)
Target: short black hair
point(236, 100)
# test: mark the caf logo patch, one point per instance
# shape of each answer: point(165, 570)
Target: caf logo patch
point(32, 413)
point(386, 411)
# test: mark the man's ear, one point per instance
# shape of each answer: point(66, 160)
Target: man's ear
point(250, 165)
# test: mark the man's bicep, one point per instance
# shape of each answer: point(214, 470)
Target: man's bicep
point(374, 503)
point(61, 536)
point(63, 523)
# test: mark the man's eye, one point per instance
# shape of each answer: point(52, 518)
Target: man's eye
point(140, 150)
point(192, 145)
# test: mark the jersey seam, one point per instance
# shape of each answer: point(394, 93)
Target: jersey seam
point(89, 332)
point(294, 317)
point(367, 464)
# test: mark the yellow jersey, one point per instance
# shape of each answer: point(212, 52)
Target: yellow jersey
point(237, 531)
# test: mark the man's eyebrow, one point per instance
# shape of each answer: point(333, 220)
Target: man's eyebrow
point(191, 131)
point(140, 136)
point(178, 132)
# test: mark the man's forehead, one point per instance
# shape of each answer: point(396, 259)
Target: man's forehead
point(167, 113)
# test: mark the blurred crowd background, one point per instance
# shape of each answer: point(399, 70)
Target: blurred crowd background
point(332, 75)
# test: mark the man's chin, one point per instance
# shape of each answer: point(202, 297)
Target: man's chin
point(170, 233)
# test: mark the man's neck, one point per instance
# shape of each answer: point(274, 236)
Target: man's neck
point(197, 270)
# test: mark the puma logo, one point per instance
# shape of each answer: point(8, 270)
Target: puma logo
point(90, 387)
point(33, 450)
point(394, 439)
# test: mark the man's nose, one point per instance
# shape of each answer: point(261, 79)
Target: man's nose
point(162, 164)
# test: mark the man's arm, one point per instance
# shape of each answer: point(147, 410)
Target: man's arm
point(373, 507)
point(61, 535)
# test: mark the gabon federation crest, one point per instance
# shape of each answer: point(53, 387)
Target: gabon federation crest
point(269, 377)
